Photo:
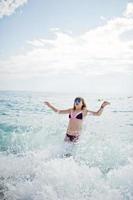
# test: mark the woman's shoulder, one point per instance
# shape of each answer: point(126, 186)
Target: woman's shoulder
point(85, 111)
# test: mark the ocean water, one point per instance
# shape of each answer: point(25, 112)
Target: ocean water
point(32, 148)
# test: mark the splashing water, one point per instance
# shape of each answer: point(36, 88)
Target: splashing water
point(32, 149)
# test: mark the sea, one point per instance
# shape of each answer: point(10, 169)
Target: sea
point(33, 161)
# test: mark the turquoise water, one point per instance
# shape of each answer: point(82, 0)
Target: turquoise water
point(32, 166)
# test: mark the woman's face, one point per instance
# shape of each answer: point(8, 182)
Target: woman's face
point(78, 103)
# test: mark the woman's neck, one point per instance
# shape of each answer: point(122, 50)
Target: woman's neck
point(78, 109)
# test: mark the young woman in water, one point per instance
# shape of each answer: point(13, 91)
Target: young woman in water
point(76, 116)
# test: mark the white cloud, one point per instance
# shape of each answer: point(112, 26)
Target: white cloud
point(8, 7)
point(36, 43)
point(92, 57)
point(102, 18)
point(129, 10)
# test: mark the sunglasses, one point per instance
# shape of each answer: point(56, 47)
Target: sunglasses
point(77, 101)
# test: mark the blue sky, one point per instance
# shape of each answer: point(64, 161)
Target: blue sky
point(36, 18)
point(46, 43)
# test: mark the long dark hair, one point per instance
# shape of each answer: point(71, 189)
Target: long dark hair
point(83, 102)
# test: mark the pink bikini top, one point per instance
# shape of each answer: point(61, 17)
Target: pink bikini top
point(78, 115)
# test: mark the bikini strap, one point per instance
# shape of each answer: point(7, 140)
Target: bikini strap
point(75, 114)
point(78, 113)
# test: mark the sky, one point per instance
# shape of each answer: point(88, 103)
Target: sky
point(66, 45)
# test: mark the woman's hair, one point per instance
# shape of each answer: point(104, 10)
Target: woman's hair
point(83, 102)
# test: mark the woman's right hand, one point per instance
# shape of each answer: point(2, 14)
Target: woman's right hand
point(47, 103)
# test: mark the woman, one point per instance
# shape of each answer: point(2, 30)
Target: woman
point(76, 116)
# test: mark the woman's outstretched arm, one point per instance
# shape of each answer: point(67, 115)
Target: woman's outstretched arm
point(57, 110)
point(99, 112)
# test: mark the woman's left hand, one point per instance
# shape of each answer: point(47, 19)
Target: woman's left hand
point(105, 103)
